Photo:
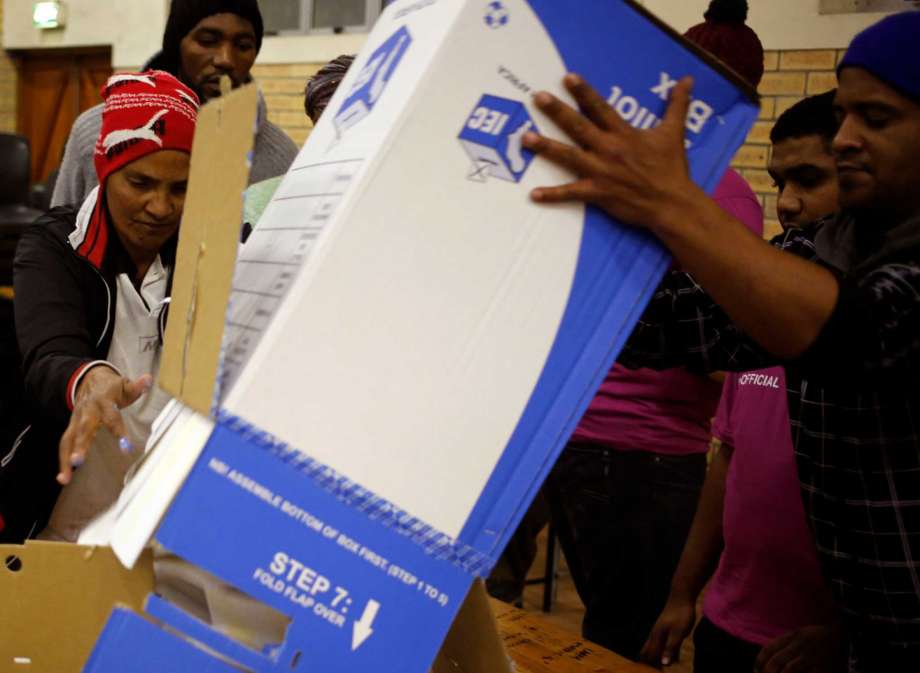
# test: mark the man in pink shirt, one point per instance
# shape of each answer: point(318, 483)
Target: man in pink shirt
point(767, 605)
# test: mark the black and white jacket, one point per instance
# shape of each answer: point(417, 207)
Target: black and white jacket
point(65, 269)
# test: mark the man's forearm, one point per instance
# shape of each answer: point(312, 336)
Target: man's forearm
point(781, 301)
point(704, 543)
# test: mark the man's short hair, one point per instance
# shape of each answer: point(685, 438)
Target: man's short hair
point(812, 116)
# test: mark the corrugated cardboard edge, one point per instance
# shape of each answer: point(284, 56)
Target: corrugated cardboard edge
point(55, 605)
point(208, 242)
point(64, 593)
point(473, 644)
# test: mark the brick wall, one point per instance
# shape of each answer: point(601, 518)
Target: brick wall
point(283, 86)
point(789, 76)
point(8, 87)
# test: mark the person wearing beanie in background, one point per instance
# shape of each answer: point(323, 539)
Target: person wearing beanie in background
point(836, 303)
point(750, 545)
point(725, 35)
point(91, 288)
point(203, 40)
point(623, 492)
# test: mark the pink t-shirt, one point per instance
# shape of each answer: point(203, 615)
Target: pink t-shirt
point(669, 411)
point(735, 196)
point(768, 582)
point(643, 410)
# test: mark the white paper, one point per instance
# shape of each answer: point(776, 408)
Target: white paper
point(131, 522)
point(408, 346)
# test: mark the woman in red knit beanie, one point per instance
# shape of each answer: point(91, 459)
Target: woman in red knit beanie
point(92, 286)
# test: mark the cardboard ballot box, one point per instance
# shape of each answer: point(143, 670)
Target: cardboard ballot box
point(56, 599)
point(368, 406)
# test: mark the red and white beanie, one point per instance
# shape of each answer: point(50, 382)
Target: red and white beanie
point(143, 113)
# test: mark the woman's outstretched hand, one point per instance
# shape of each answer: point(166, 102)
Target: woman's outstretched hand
point(100, 397)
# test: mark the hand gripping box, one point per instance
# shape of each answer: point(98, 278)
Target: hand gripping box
point(410, 340)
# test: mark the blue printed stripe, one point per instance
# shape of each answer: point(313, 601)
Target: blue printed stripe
point(434, 543)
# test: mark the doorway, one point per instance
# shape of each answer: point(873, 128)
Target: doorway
point(54, 88)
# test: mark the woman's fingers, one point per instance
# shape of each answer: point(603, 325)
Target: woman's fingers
point(131, 391)
point(65, 450)
point(112, 419)
point(76, 440)
point(100, 407)
point(87, 423)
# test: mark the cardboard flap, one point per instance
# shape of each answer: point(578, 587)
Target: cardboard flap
point(207, 637)
point(208, 241)
point(76, 585)
point(134, 644)
point(473, 644)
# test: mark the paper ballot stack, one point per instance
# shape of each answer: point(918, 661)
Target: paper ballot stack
point(410, 340)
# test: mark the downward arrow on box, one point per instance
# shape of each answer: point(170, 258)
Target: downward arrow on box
point(362, 628)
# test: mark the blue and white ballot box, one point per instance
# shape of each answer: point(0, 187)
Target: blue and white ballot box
point(410, 339)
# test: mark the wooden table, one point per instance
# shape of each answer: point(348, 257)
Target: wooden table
point(538, 646)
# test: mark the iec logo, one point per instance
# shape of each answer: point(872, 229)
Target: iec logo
point(492, 137)
point(496, 15)
point(372, 80)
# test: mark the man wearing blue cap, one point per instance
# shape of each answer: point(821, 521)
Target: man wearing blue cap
point(837, 303)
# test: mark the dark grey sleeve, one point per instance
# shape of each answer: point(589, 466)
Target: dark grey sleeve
point(272, 155)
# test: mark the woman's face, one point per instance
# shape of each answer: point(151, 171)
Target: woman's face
point(145, 200)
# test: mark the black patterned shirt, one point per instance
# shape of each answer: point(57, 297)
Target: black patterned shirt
point(854, 408)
